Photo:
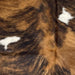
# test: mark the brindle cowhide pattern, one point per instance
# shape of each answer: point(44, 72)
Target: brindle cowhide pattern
point(47, 45)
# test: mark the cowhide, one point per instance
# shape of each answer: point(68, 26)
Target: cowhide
point(37, 37)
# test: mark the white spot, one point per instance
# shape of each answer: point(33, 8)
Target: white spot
point(6, 41)
point(65, 16)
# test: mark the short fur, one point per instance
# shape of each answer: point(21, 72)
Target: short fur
point(47, 46)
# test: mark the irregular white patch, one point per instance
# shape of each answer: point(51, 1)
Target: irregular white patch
point(65, 16)
point(6, 41)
